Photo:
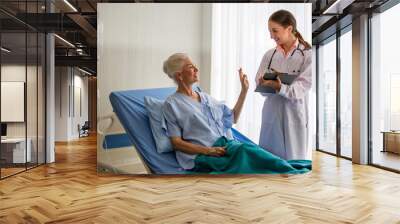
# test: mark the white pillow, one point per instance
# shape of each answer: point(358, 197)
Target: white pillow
point(157, 122)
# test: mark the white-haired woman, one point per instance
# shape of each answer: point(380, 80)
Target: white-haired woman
point(199, 127)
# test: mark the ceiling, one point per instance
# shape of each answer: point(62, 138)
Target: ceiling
point(76, 21)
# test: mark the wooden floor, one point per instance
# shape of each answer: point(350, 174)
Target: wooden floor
point(70, 191)
point(387, 159)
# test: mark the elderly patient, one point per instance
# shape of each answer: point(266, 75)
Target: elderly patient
point(199, 128)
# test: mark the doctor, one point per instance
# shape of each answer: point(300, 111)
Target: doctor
point(284, 128)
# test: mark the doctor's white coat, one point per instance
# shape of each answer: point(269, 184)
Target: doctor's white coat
point(284, 128)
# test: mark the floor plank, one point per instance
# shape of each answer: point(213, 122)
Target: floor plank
point(70, 191)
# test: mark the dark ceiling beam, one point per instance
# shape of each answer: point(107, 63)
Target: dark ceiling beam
point(11, 25)
point(81, 21)
point(383, 6)
point(331, 30)
point(49, 22)
point(319, 23)
point(16, 18)
point(82, 61)
point(12, 7)
point(21, 59)
point(337, 7)
point(91, 5)
point(86, 51)
point(84, 24)
point(63, 7)
point(326, 15)
point(90, 70)
point(326, 25)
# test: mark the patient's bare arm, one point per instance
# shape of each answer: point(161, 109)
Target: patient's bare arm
point(184, 146)
point(240, 101)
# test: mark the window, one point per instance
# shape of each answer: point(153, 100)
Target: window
point(327, 97)
point(385, 89)
point(243, 43)
point(346, 94)
point(22, 65)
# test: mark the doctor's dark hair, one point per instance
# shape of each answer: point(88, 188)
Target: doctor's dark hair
point(285, 19)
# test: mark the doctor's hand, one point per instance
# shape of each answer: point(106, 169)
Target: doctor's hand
point(275, 84)
point(243, 80)
point(216, 151)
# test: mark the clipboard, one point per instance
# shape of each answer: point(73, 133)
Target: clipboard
point(284, 77)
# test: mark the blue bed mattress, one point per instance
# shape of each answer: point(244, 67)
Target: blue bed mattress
point(130, 110)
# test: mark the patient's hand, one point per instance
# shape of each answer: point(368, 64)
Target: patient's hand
point(216, 151)
point(243, 80)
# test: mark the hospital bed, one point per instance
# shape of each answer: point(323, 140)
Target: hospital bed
point(129, 109)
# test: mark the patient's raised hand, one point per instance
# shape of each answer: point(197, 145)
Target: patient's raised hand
point(243, 80)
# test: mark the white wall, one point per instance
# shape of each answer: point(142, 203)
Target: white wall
point(131, 48)
point(80, 83)
point(67, 80)
point(33, 127)
point(16, 73)
point(61, 103)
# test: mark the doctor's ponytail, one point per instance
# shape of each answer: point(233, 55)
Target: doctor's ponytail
point(301, 40)
point(285, 19)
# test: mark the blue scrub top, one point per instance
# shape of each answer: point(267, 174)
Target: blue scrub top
point(200, 123)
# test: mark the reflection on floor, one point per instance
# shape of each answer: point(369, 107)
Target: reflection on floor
point(123, 160)
point(10, 169)
point(346, 152)
point(387, 159)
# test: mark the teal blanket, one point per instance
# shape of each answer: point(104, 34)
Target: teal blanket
point(245, 158)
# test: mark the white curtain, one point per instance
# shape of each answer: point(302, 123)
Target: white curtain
point(240, 37)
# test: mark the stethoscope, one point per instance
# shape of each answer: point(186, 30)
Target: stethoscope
point(298, 49)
